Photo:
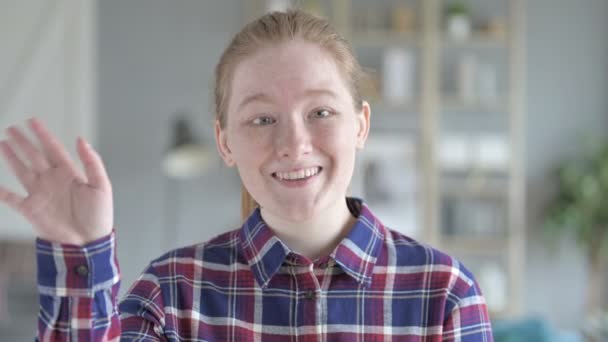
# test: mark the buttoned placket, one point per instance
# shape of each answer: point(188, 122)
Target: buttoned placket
point(308, 296)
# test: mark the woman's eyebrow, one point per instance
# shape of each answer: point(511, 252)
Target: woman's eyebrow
point(255, 97)
point(320, 91)
point(265, 98)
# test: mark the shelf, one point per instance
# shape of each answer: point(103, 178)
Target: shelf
point(406, 124)
point(453, 103)
point(385, 106)
point(389, 117)
point(384, 38)
point(466, 244)
point(500, 314)
point(477, 40)
point(469, 191)
point(492, 184)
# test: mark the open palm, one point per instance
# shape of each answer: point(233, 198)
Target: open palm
point(62, 204)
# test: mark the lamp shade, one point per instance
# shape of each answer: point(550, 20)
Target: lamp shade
point(187, 157)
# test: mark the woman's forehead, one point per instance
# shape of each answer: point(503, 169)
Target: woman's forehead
point(287, 69)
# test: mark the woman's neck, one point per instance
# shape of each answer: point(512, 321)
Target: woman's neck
point(317, 236)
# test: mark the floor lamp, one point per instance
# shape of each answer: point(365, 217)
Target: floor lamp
point(187, 158)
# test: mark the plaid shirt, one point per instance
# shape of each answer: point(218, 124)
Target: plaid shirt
point(246, 285)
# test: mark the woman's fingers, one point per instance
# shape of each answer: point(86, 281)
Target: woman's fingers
point(36, 159)
point(20, 170)
point(54, 150)
point(11, 199)
point(93, 165)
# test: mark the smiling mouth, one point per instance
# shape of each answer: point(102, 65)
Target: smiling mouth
point(298, 175)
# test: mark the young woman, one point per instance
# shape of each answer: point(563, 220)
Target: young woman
point(308, 263)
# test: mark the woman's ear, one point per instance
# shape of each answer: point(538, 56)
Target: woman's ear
point(363, 124)
point(221, 141)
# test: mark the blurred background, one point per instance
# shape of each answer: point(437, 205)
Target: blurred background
point(489, 121)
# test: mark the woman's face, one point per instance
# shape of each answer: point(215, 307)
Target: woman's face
point(292, 130)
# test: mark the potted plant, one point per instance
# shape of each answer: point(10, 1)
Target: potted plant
point(581, 209)
point(458, 20)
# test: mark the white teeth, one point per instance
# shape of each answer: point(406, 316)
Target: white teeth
point(300, 174)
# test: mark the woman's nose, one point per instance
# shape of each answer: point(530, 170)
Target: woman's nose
point(293, 140)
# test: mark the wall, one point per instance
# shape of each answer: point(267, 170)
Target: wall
point(567, 102)
point(47, 69)
point(155, 58)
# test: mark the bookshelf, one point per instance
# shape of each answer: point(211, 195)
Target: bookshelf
point(460, 128)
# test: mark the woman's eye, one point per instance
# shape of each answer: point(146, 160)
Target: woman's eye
point(263, 120)
point(322, 113)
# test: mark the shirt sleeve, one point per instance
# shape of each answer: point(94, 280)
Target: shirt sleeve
point(142, 310)
point(468, 321)
point(78, 287)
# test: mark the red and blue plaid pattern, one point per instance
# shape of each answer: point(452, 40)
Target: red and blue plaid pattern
point(246, 285)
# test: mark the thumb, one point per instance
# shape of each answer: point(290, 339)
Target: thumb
point(93, 165)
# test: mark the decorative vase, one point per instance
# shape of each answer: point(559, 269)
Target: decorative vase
point(459, 26)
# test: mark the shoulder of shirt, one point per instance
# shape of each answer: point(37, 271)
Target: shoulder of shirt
point(411, 252)
point(219, 249)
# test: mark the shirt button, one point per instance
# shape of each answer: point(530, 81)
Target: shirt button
point(82, 270)
point(310, 294)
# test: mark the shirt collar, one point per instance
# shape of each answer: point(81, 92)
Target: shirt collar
point(262, 249)
point(358, 251)
point(356, 254)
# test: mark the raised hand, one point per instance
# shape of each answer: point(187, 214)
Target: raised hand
point(62, 204)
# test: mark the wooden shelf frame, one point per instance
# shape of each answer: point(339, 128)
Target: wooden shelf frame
point(430, 44)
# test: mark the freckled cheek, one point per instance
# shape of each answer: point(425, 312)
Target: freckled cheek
point(333, 137)
point(250, 146)
point(327, 132)
point(339, 149)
